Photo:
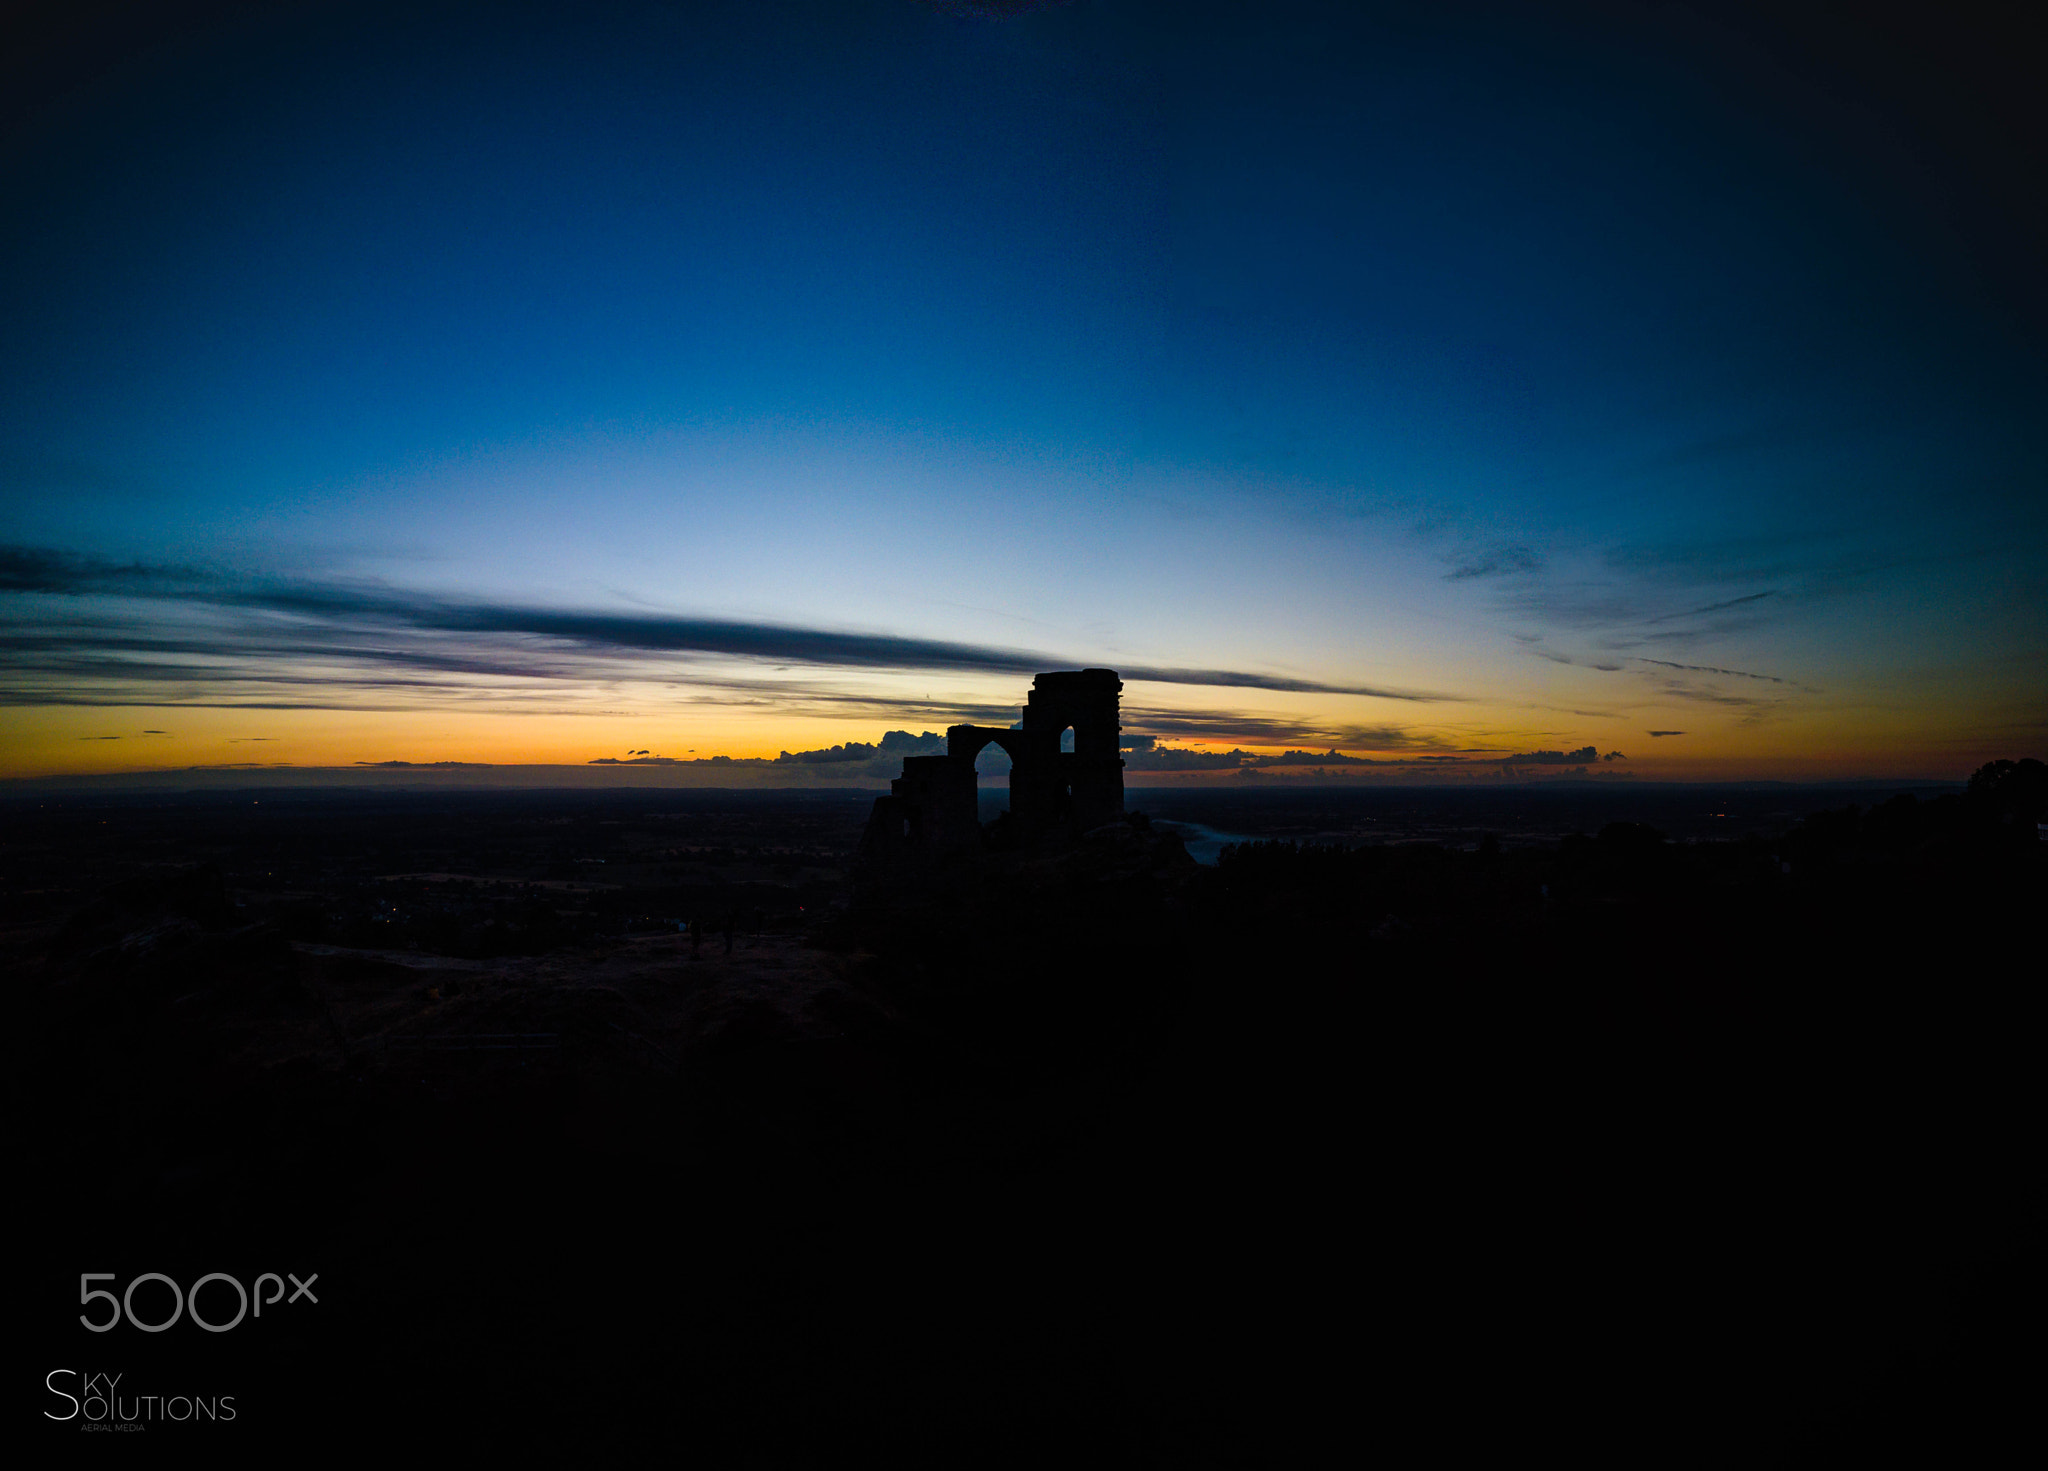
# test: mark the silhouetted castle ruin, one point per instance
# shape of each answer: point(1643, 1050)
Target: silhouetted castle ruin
point(932, 809)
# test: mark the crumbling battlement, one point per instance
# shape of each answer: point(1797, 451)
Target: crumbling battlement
point(931, 808)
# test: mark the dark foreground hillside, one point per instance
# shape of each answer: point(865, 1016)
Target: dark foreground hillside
point(1660, 1153)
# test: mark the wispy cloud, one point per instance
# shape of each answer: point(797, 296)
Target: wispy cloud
point(1627, 613)
point(1755, 597)
point(47, 569)
point(1268, 730)
point(1660, 611)
point(298, 640)
point(1710, 669)
point(1754, 709)
point(1239, 680)
point(1721, 561)
point(1718, 449)
point(1731, 673)
point(1499, 562)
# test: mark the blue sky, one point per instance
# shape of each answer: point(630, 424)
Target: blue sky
point(1595, 374)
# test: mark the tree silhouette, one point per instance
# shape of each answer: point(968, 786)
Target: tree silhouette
point(2015, 791)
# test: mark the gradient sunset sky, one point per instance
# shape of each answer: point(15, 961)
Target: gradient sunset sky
point(534, 384)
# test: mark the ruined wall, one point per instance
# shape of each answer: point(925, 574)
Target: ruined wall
point(931, 808)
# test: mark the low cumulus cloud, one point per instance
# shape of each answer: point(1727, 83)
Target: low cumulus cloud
point(1553, 758)
point(1167, 758)
point(888, 752)
point(1142, 754)
point(883, 758)
point(830, 755)
point(1666, 732)
point(1313, 758)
